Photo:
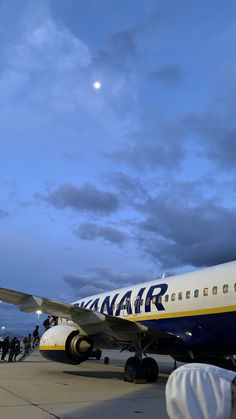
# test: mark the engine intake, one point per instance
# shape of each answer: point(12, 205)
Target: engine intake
point(65, 344)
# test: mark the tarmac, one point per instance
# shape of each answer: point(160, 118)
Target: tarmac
point(40, 389)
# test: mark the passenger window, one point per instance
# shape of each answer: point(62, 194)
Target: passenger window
point(205, 292)
point(214, 290)
point(180, 295)
point(188, 294)
point(196, 293)
point(166, 298)
point(173, 297)
point(225, 288)
point(235, 286)
point(148, 300)
point(159, 300)
point(154, 299)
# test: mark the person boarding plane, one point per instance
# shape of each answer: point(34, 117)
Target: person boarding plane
point(189, 316)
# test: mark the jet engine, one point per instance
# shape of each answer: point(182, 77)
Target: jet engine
point(64, 343)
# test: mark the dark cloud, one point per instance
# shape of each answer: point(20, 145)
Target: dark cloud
point(216, 133)
point(178, 234)
point(129, 187)
point(86, 198)
point(150, 157)
point(103, 280)
point(4, 214)
point(169, 74)
point(124, 45)
point(92, 231)
point(120, 53)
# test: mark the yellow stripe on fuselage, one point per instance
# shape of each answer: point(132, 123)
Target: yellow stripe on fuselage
point(158, 316)
point(52, 348)
point(201, 312)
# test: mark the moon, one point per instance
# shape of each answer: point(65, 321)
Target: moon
point(97, 85)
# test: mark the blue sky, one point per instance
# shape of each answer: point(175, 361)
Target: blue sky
point(105, 188)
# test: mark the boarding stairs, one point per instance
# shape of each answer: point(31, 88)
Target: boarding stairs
point(25, 354)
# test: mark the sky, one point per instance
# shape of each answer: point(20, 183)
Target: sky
point(106, 187)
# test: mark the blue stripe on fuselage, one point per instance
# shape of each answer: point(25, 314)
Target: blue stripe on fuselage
point(215, 332)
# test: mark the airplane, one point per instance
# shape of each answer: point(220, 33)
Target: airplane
point(189, 316)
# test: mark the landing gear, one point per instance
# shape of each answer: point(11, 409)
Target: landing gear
point(141, 369)
point(133, 369)
point(151, 369)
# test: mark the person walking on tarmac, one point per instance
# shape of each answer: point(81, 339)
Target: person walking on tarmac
point(27, 344)
point(12, 348)
point(5, 348)
point(36, 336)
point(17, 350)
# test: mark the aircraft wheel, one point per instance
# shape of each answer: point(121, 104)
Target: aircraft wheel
point(151, 369)
point(133, 369)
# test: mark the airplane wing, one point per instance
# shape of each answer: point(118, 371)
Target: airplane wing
point(91, 322)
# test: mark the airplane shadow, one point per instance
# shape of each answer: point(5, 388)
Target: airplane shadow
point(97, 374)
point(109, 375)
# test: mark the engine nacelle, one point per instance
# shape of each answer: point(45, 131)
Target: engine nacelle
point(65, 344)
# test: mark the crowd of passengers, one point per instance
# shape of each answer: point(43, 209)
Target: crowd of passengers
point(12, 348)
point(15, 347)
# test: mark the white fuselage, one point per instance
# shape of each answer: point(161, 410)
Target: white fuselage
point(208, 291)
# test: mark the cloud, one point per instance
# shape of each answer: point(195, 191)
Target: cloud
point(43, 44)
point(149, 157)
point(4, 214)
point(103, 280)
point(168, 74)
point(43, 63)
point(124, 45)
point(129, 187)
point(216, 133)
point(119, 55)
point(86, 198)
point(182, 234)
point(91, 231)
